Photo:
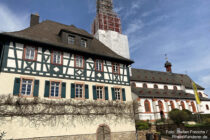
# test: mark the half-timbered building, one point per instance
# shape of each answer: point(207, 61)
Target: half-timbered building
point(54, 61)
point(57, 62)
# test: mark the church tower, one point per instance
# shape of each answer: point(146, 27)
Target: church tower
point(107, 28)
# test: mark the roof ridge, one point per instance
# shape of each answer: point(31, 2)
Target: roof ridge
point(47, 20)
point(72, 25)
point(160, 71)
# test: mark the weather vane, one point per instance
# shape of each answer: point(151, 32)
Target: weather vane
point(166, 57)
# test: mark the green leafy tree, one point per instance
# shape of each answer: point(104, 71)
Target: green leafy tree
point(178, 116)
point(190, 115)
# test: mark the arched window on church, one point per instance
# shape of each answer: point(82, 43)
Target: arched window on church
point(172, 105)
point(183, 105)
point(160, 104)
point(161, 108)
point(193, 107)
point(165, 87)
point(144, 85)
point(147, 106)
point(207, 107)
point(155, 86)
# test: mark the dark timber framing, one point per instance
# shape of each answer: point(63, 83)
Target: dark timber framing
point(47, 69)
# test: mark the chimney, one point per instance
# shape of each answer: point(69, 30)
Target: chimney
point(34, 19)
point(168, 66)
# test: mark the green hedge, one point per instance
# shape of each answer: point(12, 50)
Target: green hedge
point(142, 125)
point(204, 116)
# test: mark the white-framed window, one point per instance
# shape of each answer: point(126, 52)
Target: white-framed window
point(99, 65)
point(30, 53)
point(100, 92)
point(83, 43)
point(57, 57)
point(55, 89)
point(79, 90)
point(79, 61)
point(117, 92)
point(115, 68)
point(71, 39)
point(26, 87)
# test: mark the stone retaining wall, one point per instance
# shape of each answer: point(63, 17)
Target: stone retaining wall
point(114, 136)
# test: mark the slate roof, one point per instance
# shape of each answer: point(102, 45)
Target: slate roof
point(142, 75)
point(47, 32)
point(161, 93)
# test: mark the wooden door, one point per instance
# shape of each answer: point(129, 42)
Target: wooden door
point(103, 133)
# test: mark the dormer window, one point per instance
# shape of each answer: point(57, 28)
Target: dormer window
point(71, 40)
point(165, 87)
point(30, 53)
point(83, 43)
point(155, 86)
point(144, 85)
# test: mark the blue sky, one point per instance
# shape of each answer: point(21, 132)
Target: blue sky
point(178, 28)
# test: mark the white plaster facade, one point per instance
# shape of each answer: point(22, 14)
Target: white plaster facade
point(115, 41)
point(155, 112)
point(25, 129)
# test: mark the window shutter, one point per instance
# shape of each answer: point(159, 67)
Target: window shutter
point(94, 93)
point(72, 90)
point(106, 93)
point(123, 94)
point(63, 90)
point(36, 88)
point(47, 89)
point(86, 92)
point(113, 94)
point(16, 88)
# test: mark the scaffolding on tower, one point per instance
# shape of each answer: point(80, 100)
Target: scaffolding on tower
point(106, 18)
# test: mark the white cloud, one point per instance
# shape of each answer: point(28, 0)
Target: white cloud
point(136, 37)
point(205, 80)
point(11, 21)
point(118, 9)
point(134, 27)
point(135, 5)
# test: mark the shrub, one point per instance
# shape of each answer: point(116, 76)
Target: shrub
point(159, 122)
point(178, 116)
point(207, 121)
point(142, 125)
point(204, 116)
